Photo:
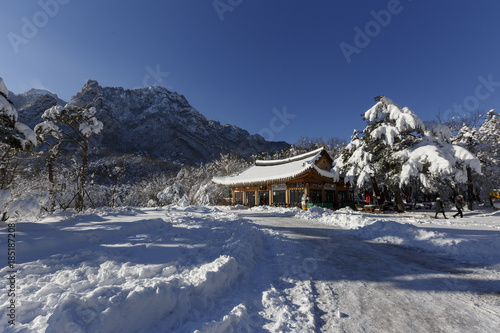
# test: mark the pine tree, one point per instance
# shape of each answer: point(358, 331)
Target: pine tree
point(15, 137)
point(397, 148)
point(482, 140)
point(74, 124)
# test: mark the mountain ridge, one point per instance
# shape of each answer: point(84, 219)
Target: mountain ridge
point(152, 121)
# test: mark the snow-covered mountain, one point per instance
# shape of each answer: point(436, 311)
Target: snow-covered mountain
point(33, 103)
point(150, 121)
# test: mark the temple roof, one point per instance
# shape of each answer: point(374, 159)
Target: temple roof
point(278, 170)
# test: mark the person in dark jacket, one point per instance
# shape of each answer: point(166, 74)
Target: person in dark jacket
point(439, 207)
point(459, 203)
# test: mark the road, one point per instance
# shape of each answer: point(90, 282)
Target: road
point(316, 278)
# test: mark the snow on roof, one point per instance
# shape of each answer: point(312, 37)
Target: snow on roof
point(277, 170)
point(314, 153)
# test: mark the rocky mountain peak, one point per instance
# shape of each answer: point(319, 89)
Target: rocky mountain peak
point(153, 122)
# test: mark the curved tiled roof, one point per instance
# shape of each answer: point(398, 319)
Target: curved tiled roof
point(278, 170)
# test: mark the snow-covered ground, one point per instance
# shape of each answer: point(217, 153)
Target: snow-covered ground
point(209, 269)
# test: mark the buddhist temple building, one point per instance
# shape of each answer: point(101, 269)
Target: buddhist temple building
point(284, 182)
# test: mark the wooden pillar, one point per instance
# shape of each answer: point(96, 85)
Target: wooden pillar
point(336, 199)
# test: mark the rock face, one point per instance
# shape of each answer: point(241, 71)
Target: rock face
point(150, 121)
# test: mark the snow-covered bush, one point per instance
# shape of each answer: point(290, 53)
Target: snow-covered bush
point(171, 194)
point(146, 190)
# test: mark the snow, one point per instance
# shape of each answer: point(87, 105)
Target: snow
point(8, 110)
point(440, 131)
point(27, 132)
point(90, 125)
point(440, 160)
point(45, 128)
point(215, 269)
point(361, 172)
point(53, 112)
point(87, 126)
point(389, 133)
point(27, 208)
point(314, 154)
point(35, 93)
point(4, 199)
point(93, 126)
point(404, 117)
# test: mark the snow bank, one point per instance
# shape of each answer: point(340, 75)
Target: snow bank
point(408, 232)
point(410, 236)
point(26, 209)
point(276, 211)
point(151, 270)
point(235, 321)
point(344, 218)
point(129, 301)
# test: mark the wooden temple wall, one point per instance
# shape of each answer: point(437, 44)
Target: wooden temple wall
point(290, 194)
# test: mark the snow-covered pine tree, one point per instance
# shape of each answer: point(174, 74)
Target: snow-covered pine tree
point(482, 140)
point(49, 135)
point(397, 148)
point(15, 137)
point(488, 149)
point(467, 137)
point(75, 124)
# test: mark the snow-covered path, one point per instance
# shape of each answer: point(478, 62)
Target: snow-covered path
point(203, 269)
point(334, 282)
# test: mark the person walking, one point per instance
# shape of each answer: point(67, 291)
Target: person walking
point(439, 207)
point(459, 203)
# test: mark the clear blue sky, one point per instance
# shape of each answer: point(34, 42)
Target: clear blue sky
point(239, 62)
